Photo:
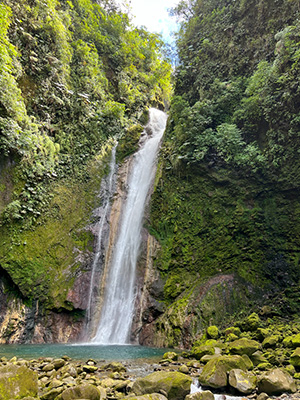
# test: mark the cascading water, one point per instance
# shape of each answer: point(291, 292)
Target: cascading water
point(119, 297)
point(106, 191)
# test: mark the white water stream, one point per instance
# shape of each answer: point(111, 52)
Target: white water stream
point(195, 387)
point(120, 292)
point(107, 188)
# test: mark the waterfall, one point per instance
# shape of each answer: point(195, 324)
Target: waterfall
point(106, 191)
point(120, 293)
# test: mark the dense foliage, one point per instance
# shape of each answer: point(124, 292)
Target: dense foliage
point(74, 75)
point(226, 198)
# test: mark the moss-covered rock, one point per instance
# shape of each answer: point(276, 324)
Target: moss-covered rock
point(170, 355)
point(191, 313)
point(175, 384)
point(200, 351)
point(264, 366)
point(214, 373)
point(248, 362)
point(203, 395)
point(84, 391)
point(128, 144)
point(243, 381)
point(152, 396)
point(290, 369)
point(17, 382)
point(212, 332)
point(271, 341)
point(184, 369)
point(235, 330)
point(263, 333)
point(115, 367)
point(244, 346)
point(296, 340)
point(276, 382)
point(206, 358)
point(231, 337)
point(258, 358)
point(295, 358)
point(252, 322)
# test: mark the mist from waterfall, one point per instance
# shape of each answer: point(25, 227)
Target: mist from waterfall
point(120, 286)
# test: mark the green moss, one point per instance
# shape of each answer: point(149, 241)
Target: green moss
point(244, 346)
point(213, 332)
point(128, 144)
point(42, 261)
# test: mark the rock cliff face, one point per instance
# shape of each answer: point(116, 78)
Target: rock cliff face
point(46, 269)
point(20, 323)
point(205, 303)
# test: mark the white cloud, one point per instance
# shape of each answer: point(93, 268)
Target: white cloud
point(153, 14)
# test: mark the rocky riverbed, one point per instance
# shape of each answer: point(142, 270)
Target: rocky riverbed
point(66, 379)
point(249, 360)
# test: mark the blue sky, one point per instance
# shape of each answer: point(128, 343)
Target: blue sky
point(154, 15)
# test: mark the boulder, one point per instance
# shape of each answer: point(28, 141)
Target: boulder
point(17, 382)
point(295, 340)
point(115, 366)
point(244, 346)
point(288, 341)
point(258, 358)
point(89, 368)
point(207, 358)
point(152, 396)
point(194, 364)
point(244, 382)
point(252, 322)
point(170, 355)
point(247, 361)
point(214, 373)
point(232, 330)
point(290, 369)
point(175, 384)
point(271, 341)
point(84, 391)
point(212, 332)
point(275, 382)
point(184, 369)
point(263, 333)
point(295, 358)
point(52, 393)
point(48, 367)
point(262, 396)
point(264, 366)
point(200, 351)
point(204, 395)
point(231, 337)
point(58, 363)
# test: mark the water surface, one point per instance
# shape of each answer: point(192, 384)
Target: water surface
point(82, 352)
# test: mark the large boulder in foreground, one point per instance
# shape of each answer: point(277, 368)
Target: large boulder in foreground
point(17, 382)
point(244, 382)
point(276, 382)
point(84, 391)
point(214, 373)
point(175, 384)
